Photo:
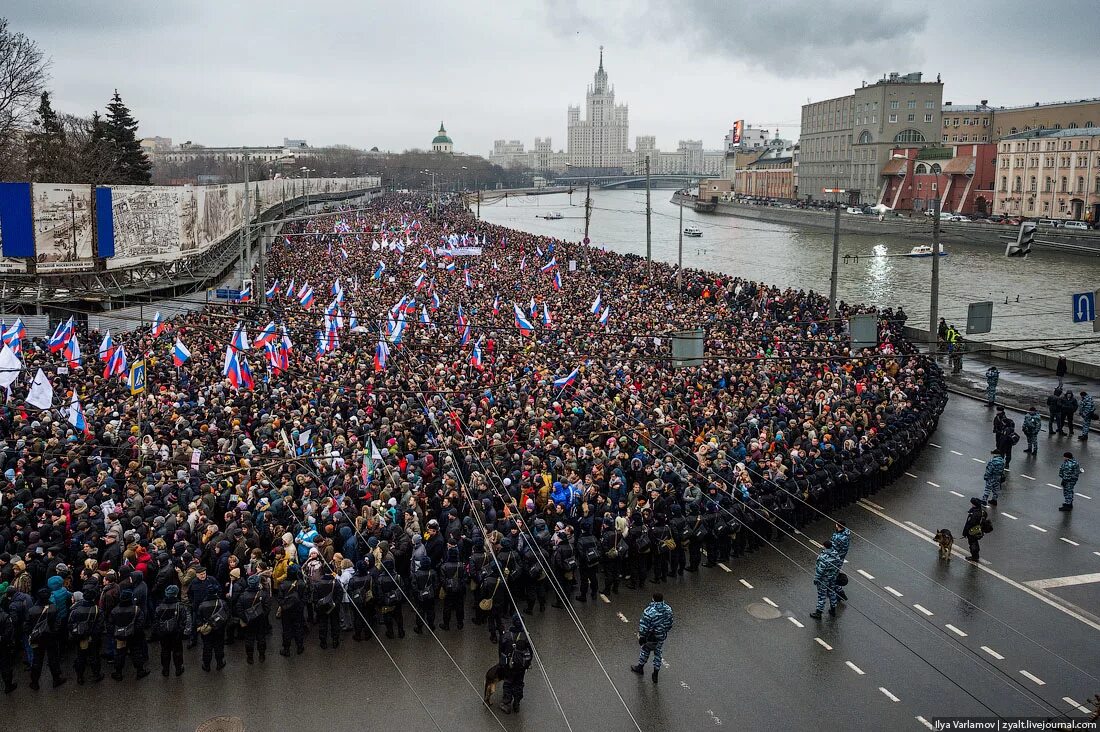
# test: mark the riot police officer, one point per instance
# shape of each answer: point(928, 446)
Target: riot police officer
point(171, 624)
point(252, 609)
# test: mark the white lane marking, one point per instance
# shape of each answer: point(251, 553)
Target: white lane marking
point(796, 623)
point(977, 460)
point(1038, 528)
point(869, 503)
point(934, 444)
point(623, 618)
point(1054, 486)
point(1026, 476)
point(746, 584)
point(855, 668)
point(817, 543)
point(934, 485)
point(724, 567)
point(992, 572)
point(910, 475)
point(923, 609)
point(1010, 516)
point(1071, 542)
point(771, 603)
point(605, 598)
point(1077, 579)
point(823, 644)
point(892, 591)
point(1080, 707)
point(955, 630)
point(1087, 498)
point(956, 452)
point(889, 695)
point(920, 528)
point(993, 653)
point(925, 722)
point(866, 574)
point(1033, 677)
point(960, 495)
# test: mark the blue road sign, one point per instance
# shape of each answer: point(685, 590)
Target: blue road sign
point(226, 294)
point(1084, 307)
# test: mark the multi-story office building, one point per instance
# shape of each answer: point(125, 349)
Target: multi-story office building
point(600, 140)
point(1049, 174)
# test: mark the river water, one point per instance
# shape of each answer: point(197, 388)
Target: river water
point(1038, 290)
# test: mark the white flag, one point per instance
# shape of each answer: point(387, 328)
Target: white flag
point(10, 366)
point(41, 393)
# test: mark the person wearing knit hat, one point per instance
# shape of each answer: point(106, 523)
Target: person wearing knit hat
point(126, 625)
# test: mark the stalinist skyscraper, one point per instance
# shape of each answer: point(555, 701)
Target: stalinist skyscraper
point(600, 140)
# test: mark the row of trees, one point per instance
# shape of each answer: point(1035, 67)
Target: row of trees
point(39, 144)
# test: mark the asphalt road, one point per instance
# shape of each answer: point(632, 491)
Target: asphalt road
point(920, 637)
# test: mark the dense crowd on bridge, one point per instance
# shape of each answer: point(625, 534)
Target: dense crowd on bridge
point(433, 437)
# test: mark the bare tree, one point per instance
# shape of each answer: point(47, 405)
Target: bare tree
point(23, 73)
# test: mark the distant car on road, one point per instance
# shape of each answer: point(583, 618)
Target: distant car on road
point(855, 211)
point(1080, 225)
point(1049, 223)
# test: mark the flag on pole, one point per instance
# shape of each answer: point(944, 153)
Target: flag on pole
point(597, 304)
point(180, 354)
point(305, 297)
point(76, 416)
point(524, 325)
point(159, 326)
point(106, 347)
point(378, 272)
point(545, 315)
point(381, 353)
point(566, 380)
point(606, 314)
point(246, 293)
point(41, 392)
point(116, 364)
point(475, 357)
point(71, 352)
point(549, 265)
point(13, 336)
point(267, 335)
point(290, 290)
point(496, 304)
point(273, 290)
point(557, 280)
point(61, 335)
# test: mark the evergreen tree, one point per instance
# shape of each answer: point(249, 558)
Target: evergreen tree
point(120, 130)
point(46, 147)
point(93, 154)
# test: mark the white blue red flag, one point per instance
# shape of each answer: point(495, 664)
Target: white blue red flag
point(72, 352)
point(566, 380)
point(597, 304)
point(180, 354)
point(159, 326)
point(381, 353)
point(76, 416)
point(524, 325)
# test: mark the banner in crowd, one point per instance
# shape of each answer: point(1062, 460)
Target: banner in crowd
point(62, 226)
point(458, 251)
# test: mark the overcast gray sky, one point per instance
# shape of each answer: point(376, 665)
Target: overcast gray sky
point(369, 73)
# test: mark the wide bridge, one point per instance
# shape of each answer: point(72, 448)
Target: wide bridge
point(629, 181)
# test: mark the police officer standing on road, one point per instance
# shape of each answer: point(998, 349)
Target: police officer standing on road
point(171, 624)
point(516, 655)
point(653, 628)
point(291, 611)
point(253, 606)
point(1068, 473)
point(994, 475)
point(86, 630)
point(1033, 425)
point(842, 541)
point(976, 518)
point(212, 615)
point(825, 572)
point(1086, 410)
point(992, 376)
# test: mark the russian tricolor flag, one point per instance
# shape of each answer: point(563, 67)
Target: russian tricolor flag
point(496, 304)
point(106, 347)
point(475, 357)
point(557, 279)
point(267, 335)
point(116, 363)
point(246, 294)
point(465, 338)
point(605, 315)
point(76, 416)
point(424, 319)
point(159, 326)
point(61, 335)
point(72, 352)
point(524, 325)
point(273, 290)
point(290, 290)
point(306, 296)
point(381, 353)
point(545, 315)
point(597, 303)
point(180, 354)
point(549, 265)
point(567, 379)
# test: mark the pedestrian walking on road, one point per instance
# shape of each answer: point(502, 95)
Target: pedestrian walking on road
point(992, 376)
point(1086, 411)
point(825, 572)
point(842, 541)
point(1068, 473)
point(973, 529)
point(994, 476)
point(653, 628)
point(1033, 424)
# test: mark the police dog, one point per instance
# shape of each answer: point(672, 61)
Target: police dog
point(946, 541)
point(492, 677)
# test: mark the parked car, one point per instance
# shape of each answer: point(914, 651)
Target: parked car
point(855, 211)
point(1080, 225)
point(1049, 223)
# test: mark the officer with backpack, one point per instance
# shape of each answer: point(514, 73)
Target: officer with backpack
point(564, 563)
point(8, 633)
point(425, 589)
point(291, 611)
point(360, 591)
point(171, 624)
point(127, 626)
point(1033, 425)
point(390, 599)
point(452, 578)
point(211, 616)
point(977, 525)
point(615, 550)
point(515, 656)
point(653, 628)
point(251, 612)
point(327, 596)
point(588, 564)
point(86, 631)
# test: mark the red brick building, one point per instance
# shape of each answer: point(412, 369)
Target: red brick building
point(961, 176)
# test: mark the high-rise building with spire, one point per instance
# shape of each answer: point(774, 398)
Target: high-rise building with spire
point(599, 140)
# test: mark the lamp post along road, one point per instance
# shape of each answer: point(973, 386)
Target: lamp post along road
point(836, 248)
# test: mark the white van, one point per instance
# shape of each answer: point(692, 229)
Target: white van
point(854, 210)
point(1049, 223)
point(1075, 225)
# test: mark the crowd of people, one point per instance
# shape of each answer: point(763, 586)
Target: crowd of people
point(463, 424)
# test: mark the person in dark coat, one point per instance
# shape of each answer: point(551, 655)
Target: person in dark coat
point(126, 625)
point(972, 529)
point(171, 624)
point(252, 609)
point(86, 625)
point(292, 611)
point(45, 631)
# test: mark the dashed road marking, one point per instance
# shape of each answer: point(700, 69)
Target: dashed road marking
point(934, 444)
point(1009, 516)
point(817, 543)
point(977, 460)
point(889, 695)
point(771, 603)
point(1028, 675)
point(923, 609)
point(873, 504)
point(892, 591)
point(955, 630)
point(911, 475)
point(866, 574)
point(1054, 486)
point(724, 567)
point(993, 653)
point(1038, 528)
point(623, 618)
point(1071, 581)
point(746, 583)
point(934, 485)
point(855, 668)
point(1097, 553)
point(925, 722)
point(960, 495)
point(1080, 707)
point(795, 621)
point(1071, 542)
point(823, 644)
point(956, 452)
point(1087, 498)
point(605, 598)
point(1026, 476)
